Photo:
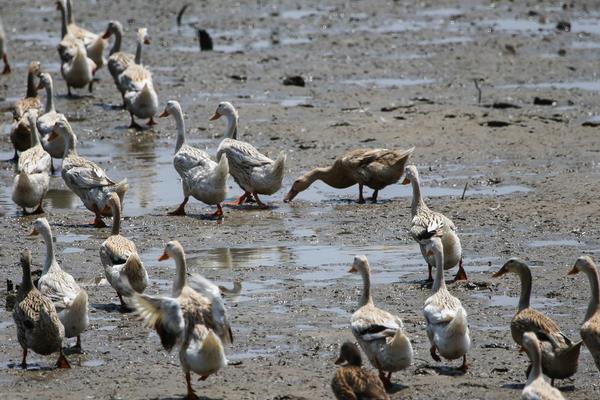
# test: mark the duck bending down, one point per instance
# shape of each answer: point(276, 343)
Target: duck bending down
point(70, 300)
point(422, 218)
point(380, 334)
point(3, 53)
point(559, 354)
point(374, 168)
point(32, 181)
point(201, 177)
point(118, 60)
point(351, 381)
point(20, 133)
point(590, 330)
point(45, 123)
point(86, 179)
point(38, 325)
point(186, 318)
point(254, 172)
point(536, 387)
point(123, 267)
point(447, 326)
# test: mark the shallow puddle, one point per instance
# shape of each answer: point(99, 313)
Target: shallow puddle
point(388, 82)
point(554, 243)
point(502, 300)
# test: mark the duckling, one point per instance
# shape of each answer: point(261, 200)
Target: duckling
point(201, 177)
point(351, 381)
point(86, 179)
point(38, 325)
point(123, 267)
point(537, 388)
point(254, 172)
point(375, 168)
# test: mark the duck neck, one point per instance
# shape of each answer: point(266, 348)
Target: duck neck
point(63, 16)
point(50, 258)
point(70, 143)
point(232, 124)
point(35, 136)
point(536, 364)
point(27, 283)
point(70, 18)
point(327, 175)
point(417, 200)
point(49, 97)
point(366, 293)
point(524, 299)
point(439, 282)
point(116, 47)
point(31, 87)
point(116, 210)
point(138, 51)
point(592, 274)
point(180, 277)
point(180, 123)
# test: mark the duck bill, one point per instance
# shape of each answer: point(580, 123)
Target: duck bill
point(164, 114)
point(573, 271)
point(290, 196)
point(406, 181)
point(106, 35)
point(164, 257)
point(33, 232)
point(339, 361)
point(216, 115)
point(352, 269)
point(499, 273)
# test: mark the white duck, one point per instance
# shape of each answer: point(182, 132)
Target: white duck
point(70, 300)
point(380, 334)
point(423, 217)
point(45, 123)
point(123, 267)
point(187, 319)
point(118, 61)
point(253, 171)
point(94, 44)
point(537, 388)
point(201, 177)
point(447, 326)
point(79, 70)
point(86, 179)
point(32, 181)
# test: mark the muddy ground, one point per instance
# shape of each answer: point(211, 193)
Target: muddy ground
point(379, 74)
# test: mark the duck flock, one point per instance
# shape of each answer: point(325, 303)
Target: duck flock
point(193, 317)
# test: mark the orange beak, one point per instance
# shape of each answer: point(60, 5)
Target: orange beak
point(406, 181)
point(353, 269)
point(522, 350)
point(339, 361)
point(499, 273)
point(573, 271)
point(290, 196)
point(34, 232)
point(216, 115)
point(53, 135)
point(164, 114)
point(106, 35)
point(164, 257)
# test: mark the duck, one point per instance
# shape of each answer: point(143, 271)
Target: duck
point(559, 354)
point(185, 318)
point(123, 267)
point(86, 179)
point(94, 43)
point(201, 177)
point(79, 71)
point(69, 299)
point(32, 181)
point(139, 95)
point(45, 123)
point(254, 172)
point(379, 333)
point(422, 218)
point(537, 388)
point(118, 60)
point(351, 381)
point(20, 134)
point(446, 318)
point(3, 53)
point(38, 325)
point(590, 330)
point(67, 46)
point(374, 168)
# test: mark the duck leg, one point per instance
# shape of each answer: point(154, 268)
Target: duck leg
point(361, 199)
point(24, 359)
point(191, 395)
point(181, 209)
point(39, 209)
point(6, 69)
point(97, 222)
point(240, 201)
point(434, 355)
point(259, 202)
point(152, 122)
point(69, 94)
point(133, 124)
point(465, 366)
point(52, 170)
point(430, 277)
point(374, 196)
point(77, 348)
point(218, 213)
point(15, 158)
point(62, 361)
point(461, 275)
point(385, 379)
